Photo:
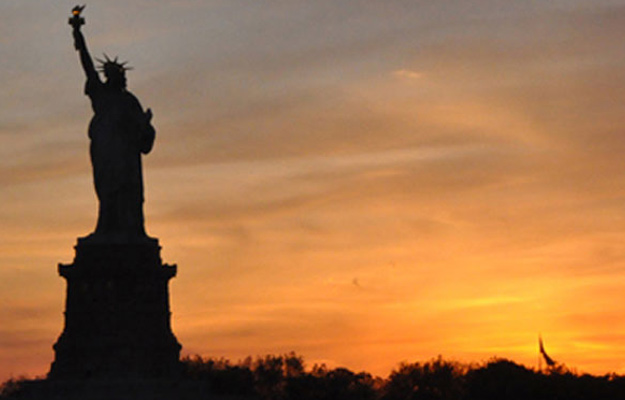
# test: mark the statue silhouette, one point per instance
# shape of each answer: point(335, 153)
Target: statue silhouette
point(117, 315)
point(119, 131)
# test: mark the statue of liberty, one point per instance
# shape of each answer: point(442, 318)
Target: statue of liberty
point(119, 132)
point(117, 339)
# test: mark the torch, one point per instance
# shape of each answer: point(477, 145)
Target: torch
point(76, 20)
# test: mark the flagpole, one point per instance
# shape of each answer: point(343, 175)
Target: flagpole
point(540, 364)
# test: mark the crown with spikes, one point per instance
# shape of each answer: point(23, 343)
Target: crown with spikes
point(108, 65)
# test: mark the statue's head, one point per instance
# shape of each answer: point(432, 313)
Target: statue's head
point(114, 72)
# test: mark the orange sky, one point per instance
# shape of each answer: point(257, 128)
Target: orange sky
point(362, 183)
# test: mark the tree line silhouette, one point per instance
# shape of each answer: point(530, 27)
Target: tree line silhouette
point(285, 377)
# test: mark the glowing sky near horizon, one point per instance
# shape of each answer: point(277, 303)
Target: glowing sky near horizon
point(361, 182)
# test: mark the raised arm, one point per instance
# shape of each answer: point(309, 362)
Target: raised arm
point(80, 44)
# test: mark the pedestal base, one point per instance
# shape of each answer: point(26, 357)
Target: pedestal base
point(117, 318)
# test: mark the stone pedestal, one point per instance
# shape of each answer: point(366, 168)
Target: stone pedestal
point(117, 317)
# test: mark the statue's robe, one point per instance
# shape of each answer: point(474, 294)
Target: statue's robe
point(119, 133)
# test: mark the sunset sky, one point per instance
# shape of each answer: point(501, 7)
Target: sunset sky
point(361, 182)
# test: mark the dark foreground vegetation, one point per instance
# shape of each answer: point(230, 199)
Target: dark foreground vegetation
point(285, 377)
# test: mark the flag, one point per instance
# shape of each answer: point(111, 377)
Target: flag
point(550, 362)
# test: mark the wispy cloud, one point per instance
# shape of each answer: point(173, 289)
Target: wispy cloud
point(408, 74)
